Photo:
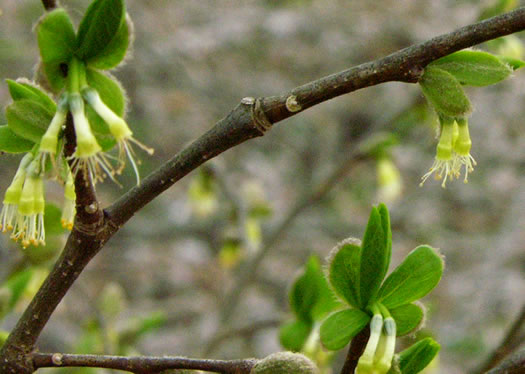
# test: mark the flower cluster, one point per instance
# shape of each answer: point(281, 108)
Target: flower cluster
point(453, 152)
point(72, 66)
point(23, 209)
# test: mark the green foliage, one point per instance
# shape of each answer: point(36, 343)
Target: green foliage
point(415, 358)
point(28, 119)
point(340, 327)
point(57, 43)
point(99, 27)
point(444, 92)
point(310, 300)
point(474, 68)
point(12, 143)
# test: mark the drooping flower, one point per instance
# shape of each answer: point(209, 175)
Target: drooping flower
point(366, 361)
point(118, 128)
point(29, 224)
point(462, 147)
point(12, 196)
point(453, 151)
point(88, 155)
point(69, 209)
point(49, 141)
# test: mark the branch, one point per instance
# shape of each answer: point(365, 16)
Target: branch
point(357, 347)
point(511, 341)
point(142, 365)
point(243, 122)
point(49, 4)
point(512, 365)
point(251, 118)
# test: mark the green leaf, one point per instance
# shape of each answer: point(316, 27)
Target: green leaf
point(417, 275)
point(514, 63)
point(12, 143)
point(52, 216)
point(23, 89)
point(28, 119)
point(115, 51)
point(407, 317)
point(305, 292)
point(344, 272)
point(385, 222)
point(340, 327)
point(294, 334)
point(374, 256)
point(474, 68)
point(99, 27)
point(17, 284)
point(444, 92)
point(112, 95)
point(57, 42)
point(415, 358)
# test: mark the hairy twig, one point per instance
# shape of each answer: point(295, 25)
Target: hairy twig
point(142, 365)
point(251, 118)
point(513, 338)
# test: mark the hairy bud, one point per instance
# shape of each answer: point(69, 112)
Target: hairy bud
point(285, 363)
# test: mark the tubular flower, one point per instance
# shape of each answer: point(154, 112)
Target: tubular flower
point(365, 365)
point(29, 225)
point(118, 128)
point(49, 142)
point(88, 155)
point(444, 162)
point(387, 343)
point(12, 196)
point(462, 147)
point(68, 211)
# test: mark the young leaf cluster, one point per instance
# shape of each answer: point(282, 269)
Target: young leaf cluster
point(356, 273)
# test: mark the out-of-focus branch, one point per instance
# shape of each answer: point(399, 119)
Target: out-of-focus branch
point(512, 340)
point(248, 271)
point(515, 364)
point(142, 365)
point(49, 4)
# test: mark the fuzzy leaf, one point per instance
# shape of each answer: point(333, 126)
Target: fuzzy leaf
point(407, 317)
point(415, 358)
point(12, 143)
point(474, 68)
point(340, 327)
point(344, 272)
point(444, 93)
point(25, 90)
point(115, 51)
point(416, 276)
point(293, 335)
point(385, 222)
point(28, 119)
point(57, 42)
point(99, 27)
point(374, 256)
point(514, 63)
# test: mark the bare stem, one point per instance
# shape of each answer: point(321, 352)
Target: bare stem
point(49, 4)
point(357, 347)
point(513, 338)
point(142, 365)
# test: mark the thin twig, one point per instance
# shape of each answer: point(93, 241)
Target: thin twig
point(142, 365)
point(515, 364)
point(513, 338)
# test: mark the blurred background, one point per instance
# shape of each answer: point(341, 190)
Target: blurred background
point(205, 269)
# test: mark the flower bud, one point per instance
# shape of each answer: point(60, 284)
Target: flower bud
point(285, 363)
